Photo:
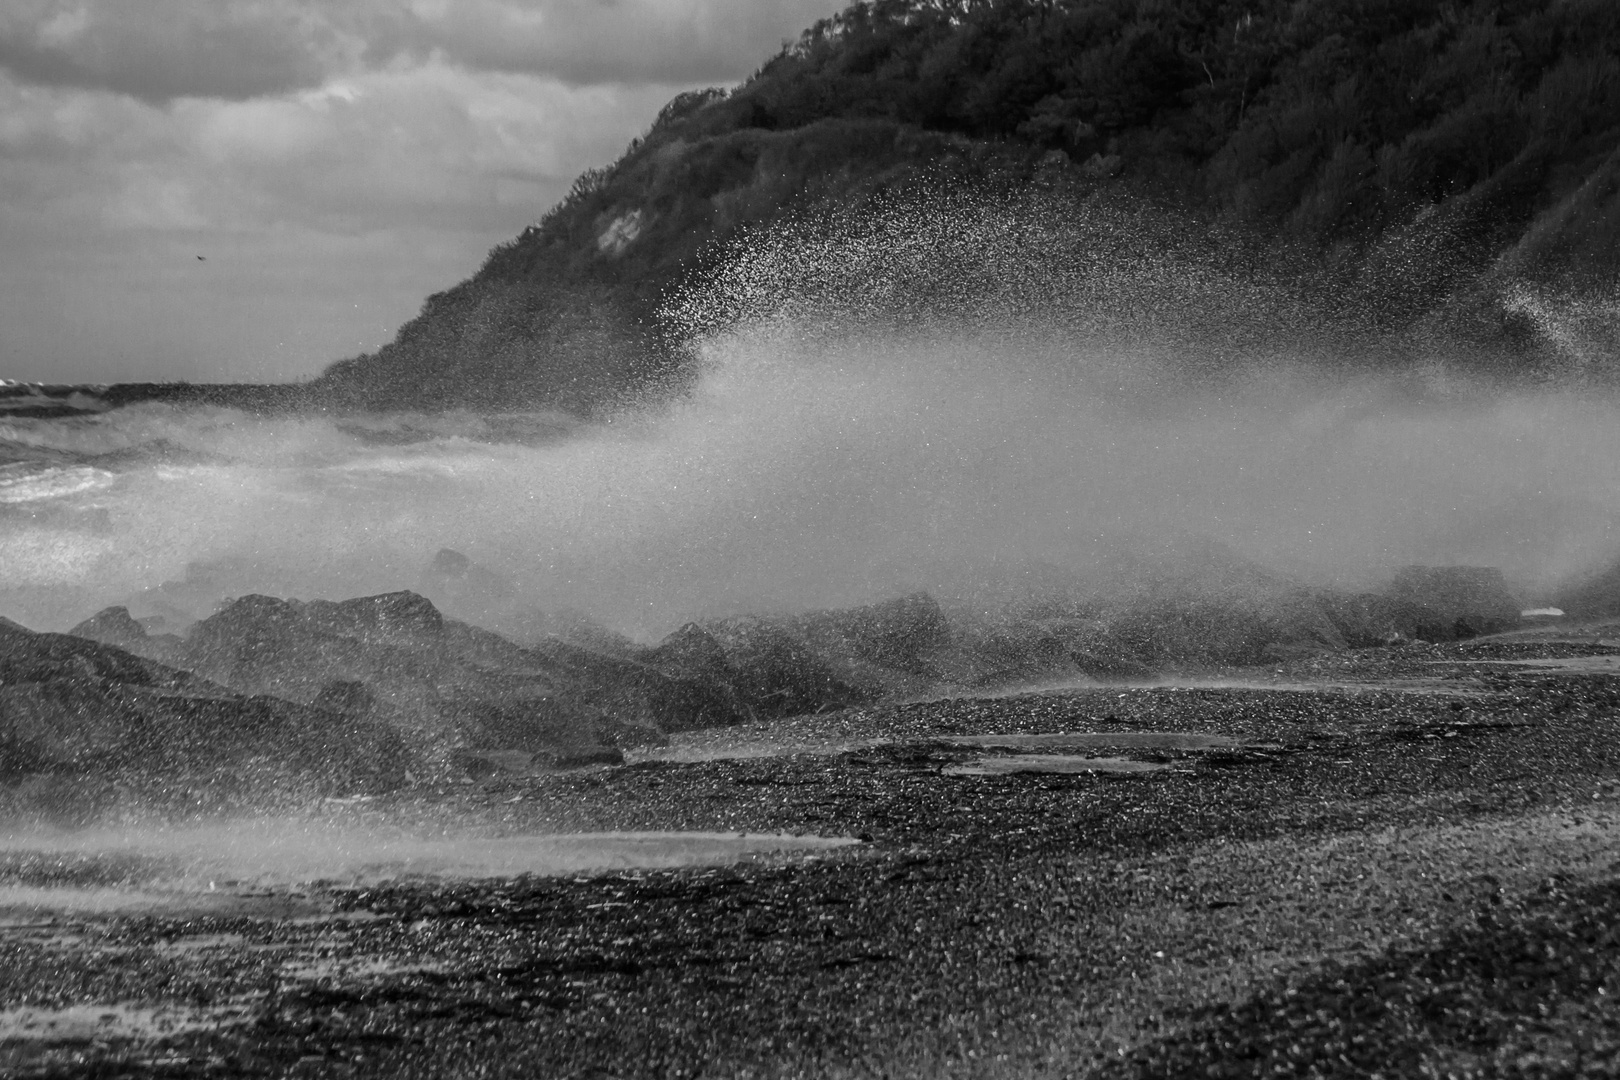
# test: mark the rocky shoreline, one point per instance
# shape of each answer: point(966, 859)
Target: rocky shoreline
point(1405, 865)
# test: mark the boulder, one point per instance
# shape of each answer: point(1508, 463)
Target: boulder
point(450, 686)
point(1472, 599)
point(73, 708)
point(1366, 620)
point(453, 688)
point(112, 626)
point(776, 672)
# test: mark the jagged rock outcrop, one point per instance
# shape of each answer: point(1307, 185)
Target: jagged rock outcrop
point(473, 700)
point(112, 626)
point(454, 689)
point(79, 712)
point(778, 673)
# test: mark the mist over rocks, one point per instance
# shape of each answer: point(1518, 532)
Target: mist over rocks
point(351, 691)
point(112, 626)
point(1594, 594)
point(462, 696)
point(448, 686)
point(90, 729)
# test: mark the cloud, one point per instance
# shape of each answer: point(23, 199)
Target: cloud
point(592, 41)
point(160, 50)
point(336, 160)
point(326, 215)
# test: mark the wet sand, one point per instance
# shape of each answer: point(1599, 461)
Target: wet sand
point(1288, 881)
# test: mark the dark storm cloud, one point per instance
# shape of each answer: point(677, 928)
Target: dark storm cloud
point(159, 50)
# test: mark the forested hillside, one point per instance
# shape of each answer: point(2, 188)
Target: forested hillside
point(1444, 166)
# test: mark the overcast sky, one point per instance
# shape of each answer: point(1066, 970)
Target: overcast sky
point(333, 161)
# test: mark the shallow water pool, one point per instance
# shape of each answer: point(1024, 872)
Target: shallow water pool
point(106, 870)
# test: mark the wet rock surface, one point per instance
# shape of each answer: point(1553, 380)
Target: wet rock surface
point(83, 726)
point(451, 688)
point(1401, 862)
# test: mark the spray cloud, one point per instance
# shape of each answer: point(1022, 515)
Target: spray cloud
point(886, 401)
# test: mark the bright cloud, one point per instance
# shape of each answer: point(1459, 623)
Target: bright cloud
point(239, 49)
point(333, 161)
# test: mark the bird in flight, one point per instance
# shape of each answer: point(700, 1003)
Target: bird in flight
point(202, 258)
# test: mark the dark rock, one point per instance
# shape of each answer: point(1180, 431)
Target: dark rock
point(1098, 654)
point(691, 650)
point(451, 687)
point(70, 706)
point(1366, 620)
point(404, 616)
point(667, 697)
point(898, 634)
point(347, 697)
point(448, 685)
point(1024, 650)
point(778, 673)
point(1471, 600)
point(27, 658)
point(111, 626)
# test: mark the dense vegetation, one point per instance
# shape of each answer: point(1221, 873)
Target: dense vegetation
point(1420, 159)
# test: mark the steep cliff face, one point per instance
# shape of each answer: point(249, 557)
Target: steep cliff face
point(1444, 173)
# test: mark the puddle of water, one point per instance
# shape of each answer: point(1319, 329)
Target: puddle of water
point(257, 865)
point(1172, 683)
point(1089, 740)
point(82, 1023)
point(1382, 686)
point(1050, 763)
point(575, 852)
point(357, 967)
point(1587, 664)
point(707, 747)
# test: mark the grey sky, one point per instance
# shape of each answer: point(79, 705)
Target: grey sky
point(335, 161)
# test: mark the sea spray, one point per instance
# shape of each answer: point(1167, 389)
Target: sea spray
point(879, 404)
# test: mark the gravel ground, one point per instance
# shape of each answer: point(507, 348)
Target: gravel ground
point(1414, 873)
